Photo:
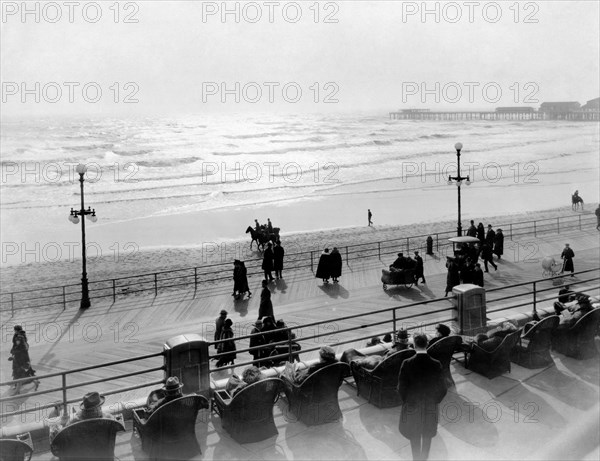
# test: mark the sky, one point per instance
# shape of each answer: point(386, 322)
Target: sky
point(186, 57)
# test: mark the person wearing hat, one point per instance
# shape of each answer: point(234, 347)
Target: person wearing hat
point(419, 269)
point(89, 408)
point(267, 264)
point(219, 323)
point(399, 263)
point(157, 398)
point(442, 331)
point(324, 266)
point(257, 341)
point(567, 256)
point(265, 308)
point(490, 237)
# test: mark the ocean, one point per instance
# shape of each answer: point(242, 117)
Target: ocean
point(152, 167)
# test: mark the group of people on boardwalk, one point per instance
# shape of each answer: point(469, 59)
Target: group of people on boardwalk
point(415, 264)
point(273, 261)
point(330, 266)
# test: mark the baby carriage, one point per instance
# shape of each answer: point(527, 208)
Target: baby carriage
point(404, 277)
point(550, 268)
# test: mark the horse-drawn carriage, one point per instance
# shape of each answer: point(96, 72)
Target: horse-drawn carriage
point(404, 277)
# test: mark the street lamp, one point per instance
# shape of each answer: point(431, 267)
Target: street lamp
point(74, 218)
point(459, 179)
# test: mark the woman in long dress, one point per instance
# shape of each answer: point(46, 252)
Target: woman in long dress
point(21, 363)
point(324, 266)
point(266, 306)
point(227, 347)
point(336, 264)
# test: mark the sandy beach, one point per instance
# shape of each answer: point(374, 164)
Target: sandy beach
point(139, 261)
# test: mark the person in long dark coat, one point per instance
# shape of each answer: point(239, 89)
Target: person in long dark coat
point(453, 276)
point(237, 281)
point(267, 264)
point(336, 264)
point(487, 256)
point(266, 306)
point(472, 232)
point(480, 232)
point(324, 266)
point(243, 280)
point(421, 387)
point(227, 347)
point(278, 254)
point(419, 268)
point(477, 275)
point(21, 363)
point(219, 323)
point(499, 244)
point(490, 237)
point(256, 341)
point(466, 271)
point(567, 255)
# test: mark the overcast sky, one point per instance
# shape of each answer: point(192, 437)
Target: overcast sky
point(362, 56)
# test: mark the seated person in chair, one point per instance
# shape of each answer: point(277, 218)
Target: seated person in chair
point(571, 312)
point(250, 375)
point(399, 264)
point(326, 357)
point(90, 408)
point(357, 359)
point(494, 337)
point(158, 397)
point(442, 331)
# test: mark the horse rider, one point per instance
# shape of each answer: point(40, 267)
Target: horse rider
point(257, 226)
point(269, 226)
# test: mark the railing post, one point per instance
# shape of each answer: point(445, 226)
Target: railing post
point(347, 262)
point(534, 297)
point(437, 243)
point(64, 393)
point(379, 250)
point(155, 284)
point(534, 229)
point(394, 325)
point(511, 231)
point(579, 222)
point(114, 290)
point(195, 278)
point(12, 304)
point(64, 298)
point(311, 262)
point(558, 225)
point(407, 245)
point(290, 355)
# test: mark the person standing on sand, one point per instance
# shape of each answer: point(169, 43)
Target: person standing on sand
point(567, 255)
point(267, 264)
point(336, 264)
point(278, 254)
point(324, 266)
point(370, 215)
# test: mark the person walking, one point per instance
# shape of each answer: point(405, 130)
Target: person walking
point(266, 306)
point(472, 232)
point(453, 276)
point(243, 280)
point(598, 217)
point(336, 264)
point(236, 279)
point(21, 363)
point(421, 388)
point(490, 237)
point(324, 266)
point(227, 347)
point(219, 325)
point(480, 232)
point(499, 244)
point(278, 254)
point(487, 256)
point(567, 256)
point(267, 264)
point(419, 269)
point(369, 216)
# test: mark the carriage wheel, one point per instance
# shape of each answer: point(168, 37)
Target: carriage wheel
point(384, 287)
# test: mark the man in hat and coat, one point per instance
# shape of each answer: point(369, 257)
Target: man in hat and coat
point(399, 263)
point(567, 255)
point(419, 269)
point(324, 266)
point(90, 408)
point(267, 264)
point(421, 387)
point(278, 254)
point(219, 324)
point(490, 237)
point(171, 391)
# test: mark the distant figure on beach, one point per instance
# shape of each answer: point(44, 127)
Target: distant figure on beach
point(598, 217)
point(576, 200)
point(480, 232)
point(267, 264)
point(490, 237)
point(240, 280)
point(499, 244)
point(472, 232)
point(567, 256)
point(219, 324)
point(266, 306)
point(324, 266)
point(419, 269)
point(453, 276)
point(278, 254)
point(370, 215)
point(487, 256)
point(336, 264)
point(227, 347)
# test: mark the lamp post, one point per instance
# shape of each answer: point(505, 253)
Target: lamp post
point(458, 181)
point(74, 218)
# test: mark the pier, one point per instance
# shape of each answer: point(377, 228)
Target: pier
point(586, 116)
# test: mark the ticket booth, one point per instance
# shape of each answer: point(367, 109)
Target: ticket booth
point(186, 356)
point(470, 302)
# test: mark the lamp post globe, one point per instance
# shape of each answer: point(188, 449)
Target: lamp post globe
point(458, 146)
point(81, 168)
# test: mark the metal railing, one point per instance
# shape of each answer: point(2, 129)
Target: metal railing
point(387, 321)
point(155, 282)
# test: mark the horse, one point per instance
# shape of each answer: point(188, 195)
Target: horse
point(260, 238)
point(575, 201)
